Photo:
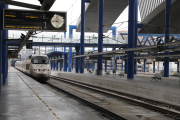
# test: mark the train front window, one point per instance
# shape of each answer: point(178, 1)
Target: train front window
point(39, 60)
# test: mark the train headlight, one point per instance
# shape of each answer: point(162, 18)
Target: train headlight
point(36, 69)
point(45, 70)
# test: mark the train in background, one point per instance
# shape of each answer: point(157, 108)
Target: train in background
point(37, 66)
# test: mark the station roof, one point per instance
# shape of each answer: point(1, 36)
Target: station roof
point(154, 23)
point(112, 10)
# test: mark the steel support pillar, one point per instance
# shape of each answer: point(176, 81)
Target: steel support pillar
point(126, 66)
point(167, 34)
point(61, 63)
point(131, 38)
point(0, 47)
point(135, 64)
point(51, 65)
point(144, 69)
point(136, 37)
point(106, 66)
point(64, 49)
point(71, 27)
point(154, 67)
point(178, 67)
point(70, 59)
point(4, 54)
point(82, 34)
point(54, 62)
point(100, 37)
point(57, 64)
point(65, 62)
point(77, 59)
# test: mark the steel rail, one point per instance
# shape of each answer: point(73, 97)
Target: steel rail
point(138, 101)
point(109, 113)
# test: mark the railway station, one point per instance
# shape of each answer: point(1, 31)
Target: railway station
point(89, 60)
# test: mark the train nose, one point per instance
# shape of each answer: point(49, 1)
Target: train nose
point(41, 74)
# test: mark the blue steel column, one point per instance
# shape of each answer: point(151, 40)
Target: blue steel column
point(100, 36)
point(126, 65)
point(54, 64)
point(131, 38)
point(61, 63)
point(0, 47)
point(136, 26)
point(153, 66)
point(178, 67)
point(77, 59)
point(51, 63)
point(65, 62)
point(4, 53)
point(144, 70)
point(45, 49)
point(71, 27)
point(70, 59)
point(57, 64)
point(167, 34)
point(82, 35)
point(106, 66)
point(93, 63)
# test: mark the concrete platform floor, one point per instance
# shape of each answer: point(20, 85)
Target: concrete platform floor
point(166, 91)
point(26, 99)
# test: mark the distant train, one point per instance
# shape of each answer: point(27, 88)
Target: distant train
point(37, 66)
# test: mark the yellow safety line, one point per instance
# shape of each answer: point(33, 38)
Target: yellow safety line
point(41, 99)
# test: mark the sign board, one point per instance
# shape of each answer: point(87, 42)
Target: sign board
point(34, 20)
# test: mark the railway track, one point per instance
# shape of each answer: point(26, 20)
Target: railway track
point(166, 109)
point(91, 104)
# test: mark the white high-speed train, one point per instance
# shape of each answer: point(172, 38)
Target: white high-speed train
point(37, 66)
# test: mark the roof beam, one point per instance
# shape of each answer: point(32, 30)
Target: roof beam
point(20, 4)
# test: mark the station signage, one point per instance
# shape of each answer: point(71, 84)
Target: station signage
point(34, 20)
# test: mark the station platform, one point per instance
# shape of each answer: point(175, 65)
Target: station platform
point(25, 99)
point(166, 91)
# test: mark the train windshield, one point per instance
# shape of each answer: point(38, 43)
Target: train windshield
point(40, 60)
